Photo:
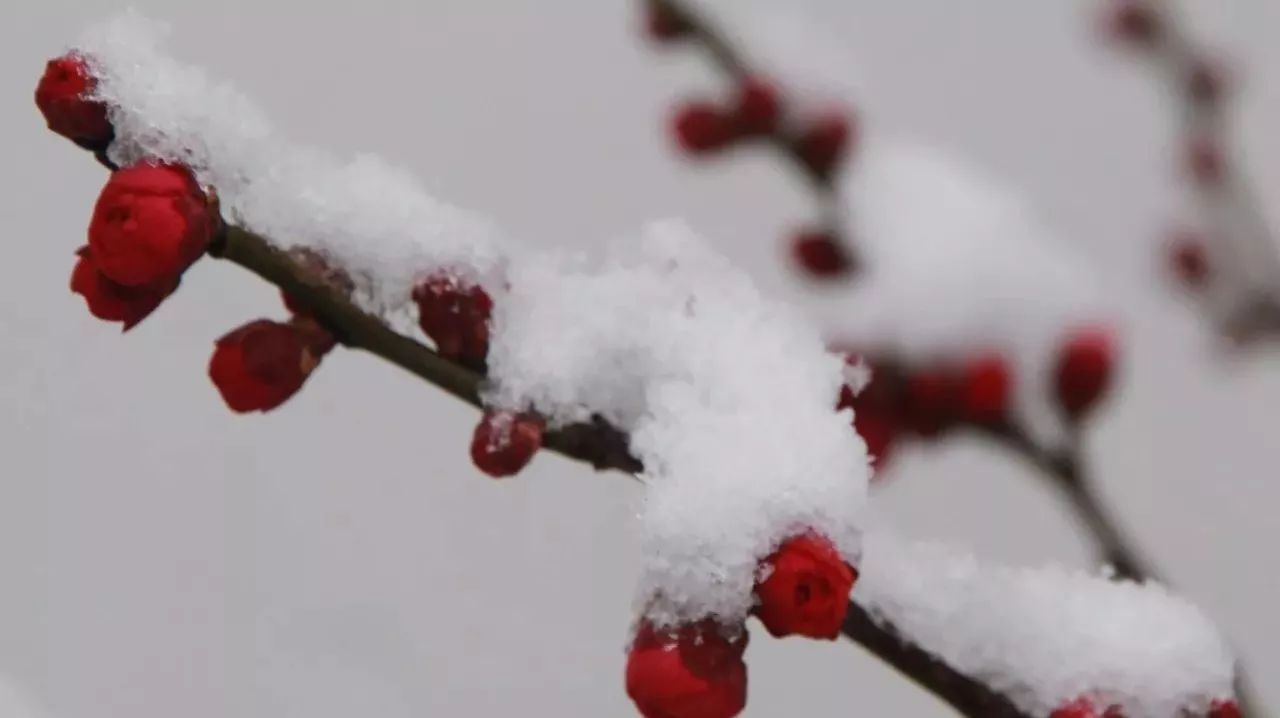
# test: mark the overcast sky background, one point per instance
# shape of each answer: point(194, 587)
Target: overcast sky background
point(162, 557)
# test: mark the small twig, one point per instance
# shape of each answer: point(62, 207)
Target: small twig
point(733, 65)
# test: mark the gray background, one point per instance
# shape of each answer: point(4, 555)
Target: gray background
point(339, 557)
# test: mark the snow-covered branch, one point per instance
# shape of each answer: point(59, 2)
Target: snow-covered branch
point(662, 361)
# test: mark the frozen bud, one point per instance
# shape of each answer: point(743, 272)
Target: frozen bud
point(820, 255)
point(1134, 21)
point(504, 442)
point(1205, 161)
point(824, 141)
point(64, 98)
point(263, 363)
point(150, 223)
point(664, 23)
point(702, 128)
point(804, 589)
point(1225, 708)
point(455, 314)
point(987, 383)
point(690, 672)
point(110, 301)
point(932, 401)
point(1086, 362)
point(758, 108)
point(1205, 82)
point(1188, 259)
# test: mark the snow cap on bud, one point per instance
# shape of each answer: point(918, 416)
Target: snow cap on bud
point(504, 442)
point(150, 223)
point(110, 301)
point(804, 588)
point(63, 97)
point(455, 314)
point(1085, 366)
point(263, 363)
point(690, 672)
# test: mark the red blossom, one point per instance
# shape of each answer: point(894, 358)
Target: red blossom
point(806, 588)
point(820, 255)
point(263, 363)
point(504, 442)
point(824, 141)
point(110, 301)
point(692, 672)
point(455, 314)
point(63, 97)
point(1083, 374)
point(150, 223)
point(701, 128)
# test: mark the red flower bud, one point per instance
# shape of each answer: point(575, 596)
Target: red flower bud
point(455, 315)
point(759, 108)
point(63, 98)
point(664, 24)
point(504, 442)
point(1206, 82)
point(1188, 259)
point(824, 141)
point(987, 385)
point(1134, 21)
point(260, 365)
point(694, 672)
point(1084, 369)
point(820, 255)
point(879, 429)
point(932, 401)
point(150, 223)
point(805, 589)
point(1205, 162)
point(110, 301)
point(1225, 708)
point(701, 128)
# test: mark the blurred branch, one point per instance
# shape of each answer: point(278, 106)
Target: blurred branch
point(727, 58)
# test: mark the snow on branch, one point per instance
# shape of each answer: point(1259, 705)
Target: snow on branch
point(1049, 637)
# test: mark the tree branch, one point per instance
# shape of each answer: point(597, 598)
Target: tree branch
point(595, 443)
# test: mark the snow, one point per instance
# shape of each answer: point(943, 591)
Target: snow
point(728, 398)
point(956, 264)
point(368, 216)
point(1047, 636)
